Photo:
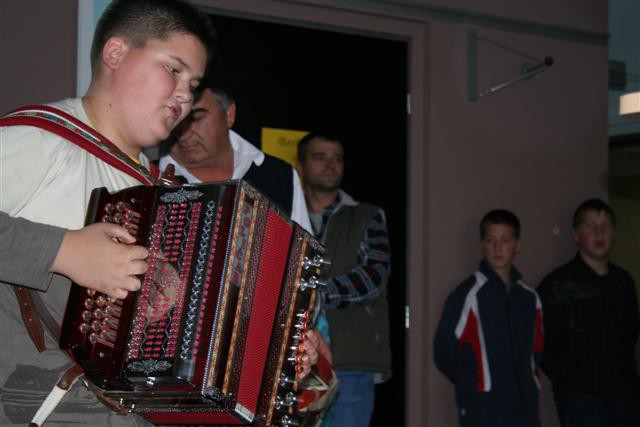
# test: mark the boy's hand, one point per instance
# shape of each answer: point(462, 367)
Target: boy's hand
point(93, 258)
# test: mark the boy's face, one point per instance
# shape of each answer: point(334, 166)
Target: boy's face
point(499, 246)
point(595, 235)
point(151, 87)
point(323, 167)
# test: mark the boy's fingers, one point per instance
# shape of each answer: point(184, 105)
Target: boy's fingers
point(139, 267)
point(132, 284)
point(119, 233)
point(118, 294)
point(138, 252)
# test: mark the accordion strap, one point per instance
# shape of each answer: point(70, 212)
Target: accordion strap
point(30, 317)
point(34, 312)
point(64, 384)
point(32, 309)
point(73, 130)
point(68, 378)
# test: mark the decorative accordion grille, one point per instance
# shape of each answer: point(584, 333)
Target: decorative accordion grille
point(277, 238)
point(215, 334)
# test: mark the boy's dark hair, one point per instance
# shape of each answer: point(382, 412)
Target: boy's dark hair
point(592, 205)
point(304, 143)
point(500, 216)
point(138, 21)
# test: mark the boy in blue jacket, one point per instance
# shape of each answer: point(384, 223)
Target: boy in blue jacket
point(490, 338)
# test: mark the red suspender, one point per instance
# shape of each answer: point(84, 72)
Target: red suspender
point(73, 130)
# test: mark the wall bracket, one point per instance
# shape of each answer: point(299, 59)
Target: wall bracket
point(528, 70)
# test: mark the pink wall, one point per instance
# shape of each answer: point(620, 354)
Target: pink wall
point(38, 46)
point(586, 15)
point(538, 147)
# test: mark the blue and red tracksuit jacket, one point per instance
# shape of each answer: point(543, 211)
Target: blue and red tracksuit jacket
point(489, 343)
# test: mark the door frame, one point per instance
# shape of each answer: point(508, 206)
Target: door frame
point(327, 16)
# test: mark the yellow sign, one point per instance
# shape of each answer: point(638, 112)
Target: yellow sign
point(282, 143)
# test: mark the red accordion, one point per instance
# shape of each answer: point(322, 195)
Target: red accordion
point(215, 333)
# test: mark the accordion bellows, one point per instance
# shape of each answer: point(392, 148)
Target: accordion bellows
point(215, 333)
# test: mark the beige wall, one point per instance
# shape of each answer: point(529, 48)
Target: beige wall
point(538, 147)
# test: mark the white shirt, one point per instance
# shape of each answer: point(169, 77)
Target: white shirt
point(47, 179)
point(244, 155)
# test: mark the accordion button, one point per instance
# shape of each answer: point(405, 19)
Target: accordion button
point(111, 323)
point(109, 336)
point(285, 380)
point(113, 310)
point(288, 421)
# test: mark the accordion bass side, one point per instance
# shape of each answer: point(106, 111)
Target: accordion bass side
point(214, 336)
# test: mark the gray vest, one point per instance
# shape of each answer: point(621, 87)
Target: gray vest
point(359, 333)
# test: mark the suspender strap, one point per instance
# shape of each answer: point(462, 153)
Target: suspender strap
point(66, 126)
point(32, 308)
point(56, 121)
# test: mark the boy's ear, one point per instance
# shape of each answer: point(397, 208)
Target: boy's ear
point(113, 52)
point(518, 245)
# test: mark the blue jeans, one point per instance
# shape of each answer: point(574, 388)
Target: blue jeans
point(353, 404)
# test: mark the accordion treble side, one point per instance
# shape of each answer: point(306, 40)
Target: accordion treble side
point(214, 335)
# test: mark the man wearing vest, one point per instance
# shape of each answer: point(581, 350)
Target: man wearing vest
point(206, 149)
point(356, 241)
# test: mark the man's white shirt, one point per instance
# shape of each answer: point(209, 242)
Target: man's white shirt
point(244, 155)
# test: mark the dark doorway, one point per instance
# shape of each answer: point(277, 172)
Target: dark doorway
point(349, 85)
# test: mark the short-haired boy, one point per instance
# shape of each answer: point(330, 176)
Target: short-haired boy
point(490, 335)
point(591, 321)
point(147, 58)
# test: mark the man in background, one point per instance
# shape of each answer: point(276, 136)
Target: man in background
point(206, 149)
point(356, 241)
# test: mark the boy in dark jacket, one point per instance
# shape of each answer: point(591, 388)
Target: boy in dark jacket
point(592, 324)
point(490, 337)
